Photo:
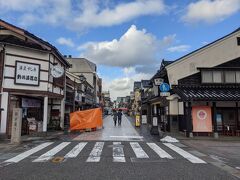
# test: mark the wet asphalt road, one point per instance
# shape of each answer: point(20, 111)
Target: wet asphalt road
point(153, 167)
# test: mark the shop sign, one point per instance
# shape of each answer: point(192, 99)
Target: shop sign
point(27, 73)
point(144, 119)
point(202, 119)
point(158, 81)
point(77, 97)
point(165, 94)
point(26, 102)
point(137, 121)
point(155, 121)
point(57, 71)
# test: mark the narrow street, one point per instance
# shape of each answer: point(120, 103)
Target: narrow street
point(71, 70)
point(110, 153)
point(125, 132)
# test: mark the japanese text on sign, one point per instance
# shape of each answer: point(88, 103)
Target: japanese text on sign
point(27, 73)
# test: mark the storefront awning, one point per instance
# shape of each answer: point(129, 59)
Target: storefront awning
point(208, 93)
point(156, 100)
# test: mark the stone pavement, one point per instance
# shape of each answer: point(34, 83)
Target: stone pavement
point(125, 132)
point(143, 130)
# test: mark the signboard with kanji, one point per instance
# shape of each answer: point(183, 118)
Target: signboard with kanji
point(27, 73)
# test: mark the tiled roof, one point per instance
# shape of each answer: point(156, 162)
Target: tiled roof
point(146, 83)
point(16, 41)
point(137, 85)
point(28, 34)
point(208, 93)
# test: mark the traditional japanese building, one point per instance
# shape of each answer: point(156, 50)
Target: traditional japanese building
point(82, 66)
point(32, 80)
point(79, 93)
point(205, 88)
point(154, 105)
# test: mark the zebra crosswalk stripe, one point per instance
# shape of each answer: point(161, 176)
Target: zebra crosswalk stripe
point(118, 153)
point(28, 153)
point(76, 150)
point(139, 152)
point(159, 151)
point(184, 154)
point(96, 152)
point(49, 155)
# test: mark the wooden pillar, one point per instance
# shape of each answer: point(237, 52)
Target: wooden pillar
point(149, 113)
point(237, 118)
point(45, 114)
point(189, 119)
point(214, 116)
point(74, 89)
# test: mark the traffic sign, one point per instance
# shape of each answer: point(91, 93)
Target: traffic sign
point(164, 87)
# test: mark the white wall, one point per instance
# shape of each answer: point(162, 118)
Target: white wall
point(10, 71)
point(4, 105)
point(213, 55)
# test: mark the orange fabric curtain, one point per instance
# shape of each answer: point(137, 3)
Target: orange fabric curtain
point(91, 118)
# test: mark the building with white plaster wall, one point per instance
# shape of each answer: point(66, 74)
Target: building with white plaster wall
point(27, 81)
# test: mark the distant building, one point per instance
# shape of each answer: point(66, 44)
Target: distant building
point(106, 99)
point(137, 85)
point(79, 95)
point(123, 102)
point(82, 66)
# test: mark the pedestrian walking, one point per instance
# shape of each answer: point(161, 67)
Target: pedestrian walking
point(115, 116)
point(119, 115)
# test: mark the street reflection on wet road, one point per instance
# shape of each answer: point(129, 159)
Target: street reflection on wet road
point(125, 132)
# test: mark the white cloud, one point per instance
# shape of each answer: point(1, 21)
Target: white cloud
point(205, 43)
point(80, 15)
point(20, 5)
point(53, 12)
point(65, 41)
point(128, 70)
point(93, 16)
point(210, 11)
point(123, 86)
point(180, 48)
point(135, 47)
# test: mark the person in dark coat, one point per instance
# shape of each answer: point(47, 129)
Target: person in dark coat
point(115, 116)
point(119, 115)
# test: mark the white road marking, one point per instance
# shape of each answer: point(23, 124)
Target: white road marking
point(76, 150)
point(49, 155)
point(137, 137)
point(96, 152)
point(28, 153)
point(118, 153)
point(184, 154)
point(140, 153)
point(159, 151)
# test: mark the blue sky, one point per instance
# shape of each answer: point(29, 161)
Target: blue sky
point(127, 39)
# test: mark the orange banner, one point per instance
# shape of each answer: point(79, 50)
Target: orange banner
point(91, 118)
point(202, 119)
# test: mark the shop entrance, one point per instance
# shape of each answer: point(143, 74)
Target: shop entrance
point(227, 121)
point(32, 121)
point(32, 114)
